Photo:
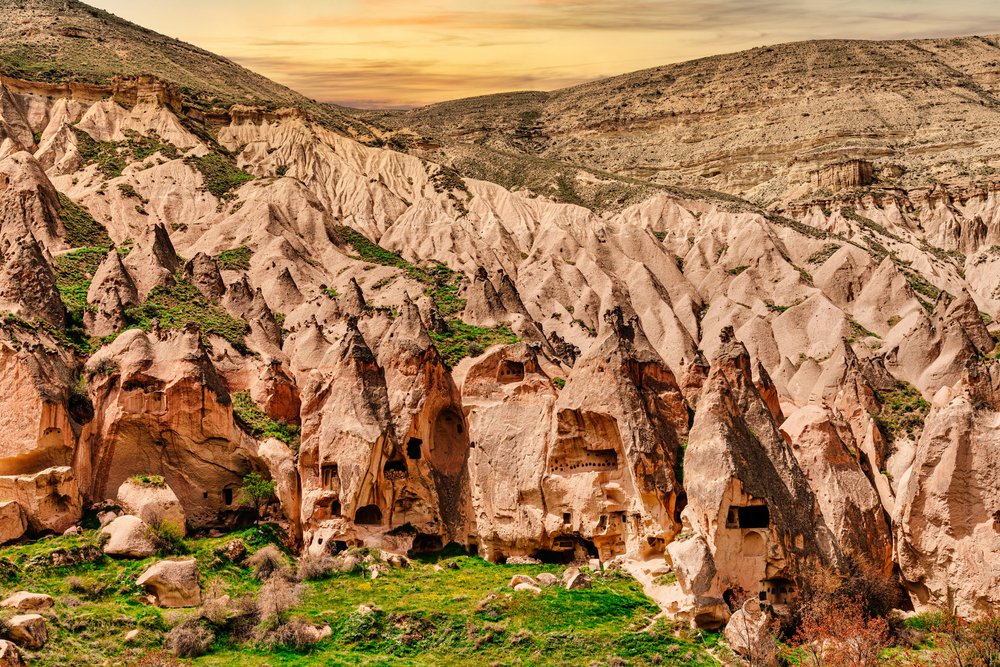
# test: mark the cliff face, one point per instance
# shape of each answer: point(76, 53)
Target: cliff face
point(419, 358)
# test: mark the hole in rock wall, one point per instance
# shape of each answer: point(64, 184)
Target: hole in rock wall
point(413, 448)
point(227, 496)
point(369, 515)
point(777, 591)
point(585, 442)
point(510, 371)
point(394, 470)
point(567, 518)
point(566, 549)
point(752, 516)
point(426, 544)
point(329, 475)
point(327, 509)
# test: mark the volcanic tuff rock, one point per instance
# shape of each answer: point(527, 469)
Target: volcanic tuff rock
point(418, 358)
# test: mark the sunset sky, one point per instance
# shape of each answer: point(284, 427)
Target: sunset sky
point(412, 52)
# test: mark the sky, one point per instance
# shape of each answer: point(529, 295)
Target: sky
point(400, 53)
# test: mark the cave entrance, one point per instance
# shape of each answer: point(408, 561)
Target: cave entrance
point(413, 448)
point(752, 516)
point(395, 470)
point(426, 544)
point(510, 371)
point(369, 515)
point(777, 591)
point(327, 509)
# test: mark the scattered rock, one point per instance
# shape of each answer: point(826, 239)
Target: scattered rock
point(173, 583)
point(525, 587)
point(152, 502)
point(396, 560)
point(131, 636)
point(521, 579)
point(26, 601)
point(233, 551)
point(9, 655)
point(546, 579)
point(73, 530)
point(28, 630)
point(579, 580)
point(128, 536)
point(13, 521)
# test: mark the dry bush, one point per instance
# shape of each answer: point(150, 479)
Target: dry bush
point(190, 640)
point(295, 634)
point(839, 632)
point(276, 597)
point(312, 567)
point(968, 643)
point(266, 561)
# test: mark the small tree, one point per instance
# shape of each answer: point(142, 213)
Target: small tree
point(840, 633)
point(255, 492)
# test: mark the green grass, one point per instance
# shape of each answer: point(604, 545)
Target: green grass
point(465, 340)
point(259, 425)
point(858, 332)
point(81, 229)
point(424, 617)
point(177, 305)
point(235, 259)
point(220, 173)
point(74, 273)
point(148, 480)
point(903, 411)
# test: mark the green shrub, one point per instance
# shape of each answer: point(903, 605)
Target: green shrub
point(560, 383)
point(167, 537)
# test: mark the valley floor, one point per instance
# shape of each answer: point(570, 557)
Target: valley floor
point(463, 613)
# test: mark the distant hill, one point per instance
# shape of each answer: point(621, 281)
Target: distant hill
point(754, 123)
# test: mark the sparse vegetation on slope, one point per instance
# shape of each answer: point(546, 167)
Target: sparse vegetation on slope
point(179, 304)
point(81, 229)
point(903, 411)
point(442, 285)
point(220, 174)
point(74, 273)
point(236, 259)
point(259, 425)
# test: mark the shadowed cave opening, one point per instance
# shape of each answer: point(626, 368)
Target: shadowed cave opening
point(565, 549)
point(369, 515)
point(753, 516)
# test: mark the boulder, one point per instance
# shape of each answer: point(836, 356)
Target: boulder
point(26, 601)
point(128, 536)
point(173, 583)
point(749, 631)
point(525, 587)
point(131, 636)
point(521, 579)
point(28, 630)
point(13, 521)
point(546, 579)
point(9, 655)
point(234, 551)
point(50, 498)
point(579, 580)
point(151, 501)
